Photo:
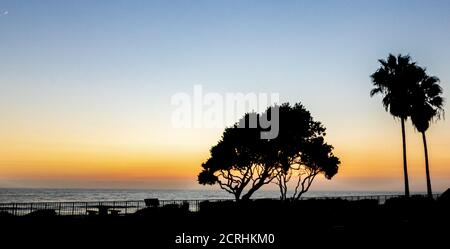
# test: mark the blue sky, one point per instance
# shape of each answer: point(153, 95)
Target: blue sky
point(162, 46)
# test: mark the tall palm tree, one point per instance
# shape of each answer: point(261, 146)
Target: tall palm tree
point(395, 80)
point(426, 106)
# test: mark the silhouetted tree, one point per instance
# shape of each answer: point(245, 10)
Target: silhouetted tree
point(395, 80)
point(427, 105)
point(236, 163)
point(315, 158)
point(243, 162)
point(300, 151)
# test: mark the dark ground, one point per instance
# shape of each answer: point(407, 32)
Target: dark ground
point(305, 224)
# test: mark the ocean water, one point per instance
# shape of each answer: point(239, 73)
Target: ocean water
point(45, 195)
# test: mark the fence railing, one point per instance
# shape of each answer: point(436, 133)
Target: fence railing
point(380, 198)
point(129, 207)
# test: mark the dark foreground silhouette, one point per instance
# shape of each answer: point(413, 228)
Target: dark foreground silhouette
point(318, 223)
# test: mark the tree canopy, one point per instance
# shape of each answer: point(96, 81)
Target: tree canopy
point(242, 162)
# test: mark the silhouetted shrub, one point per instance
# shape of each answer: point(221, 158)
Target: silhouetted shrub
point(365, 203)
point(217, 206)
point(445, 197)
point(148, 211)
point(172, 208)
point(185, 206)
point(43, 213)
point(413, 202)
point(5, 214)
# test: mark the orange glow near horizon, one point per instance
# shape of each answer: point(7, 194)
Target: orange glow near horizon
point(364, 158)
point(62, 163)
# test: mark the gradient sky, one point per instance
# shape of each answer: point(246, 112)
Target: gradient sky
point(85, 86)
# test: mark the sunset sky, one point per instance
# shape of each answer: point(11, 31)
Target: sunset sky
point(86, 86)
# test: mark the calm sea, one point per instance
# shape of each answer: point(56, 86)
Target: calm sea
point(40, 195)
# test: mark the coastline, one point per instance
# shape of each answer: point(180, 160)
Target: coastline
point(83, 195)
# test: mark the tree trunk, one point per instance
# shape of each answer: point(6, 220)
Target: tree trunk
point(237, 197)
point(427, 167)
point(251, 191)
point(405, 164)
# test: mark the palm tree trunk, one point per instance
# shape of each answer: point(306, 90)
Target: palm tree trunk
point(405, 164)
point(427, 166)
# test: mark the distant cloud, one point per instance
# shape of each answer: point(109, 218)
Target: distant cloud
point(4, 12)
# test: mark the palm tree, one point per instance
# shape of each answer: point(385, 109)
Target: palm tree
point(395, 80)
point(426, 106)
